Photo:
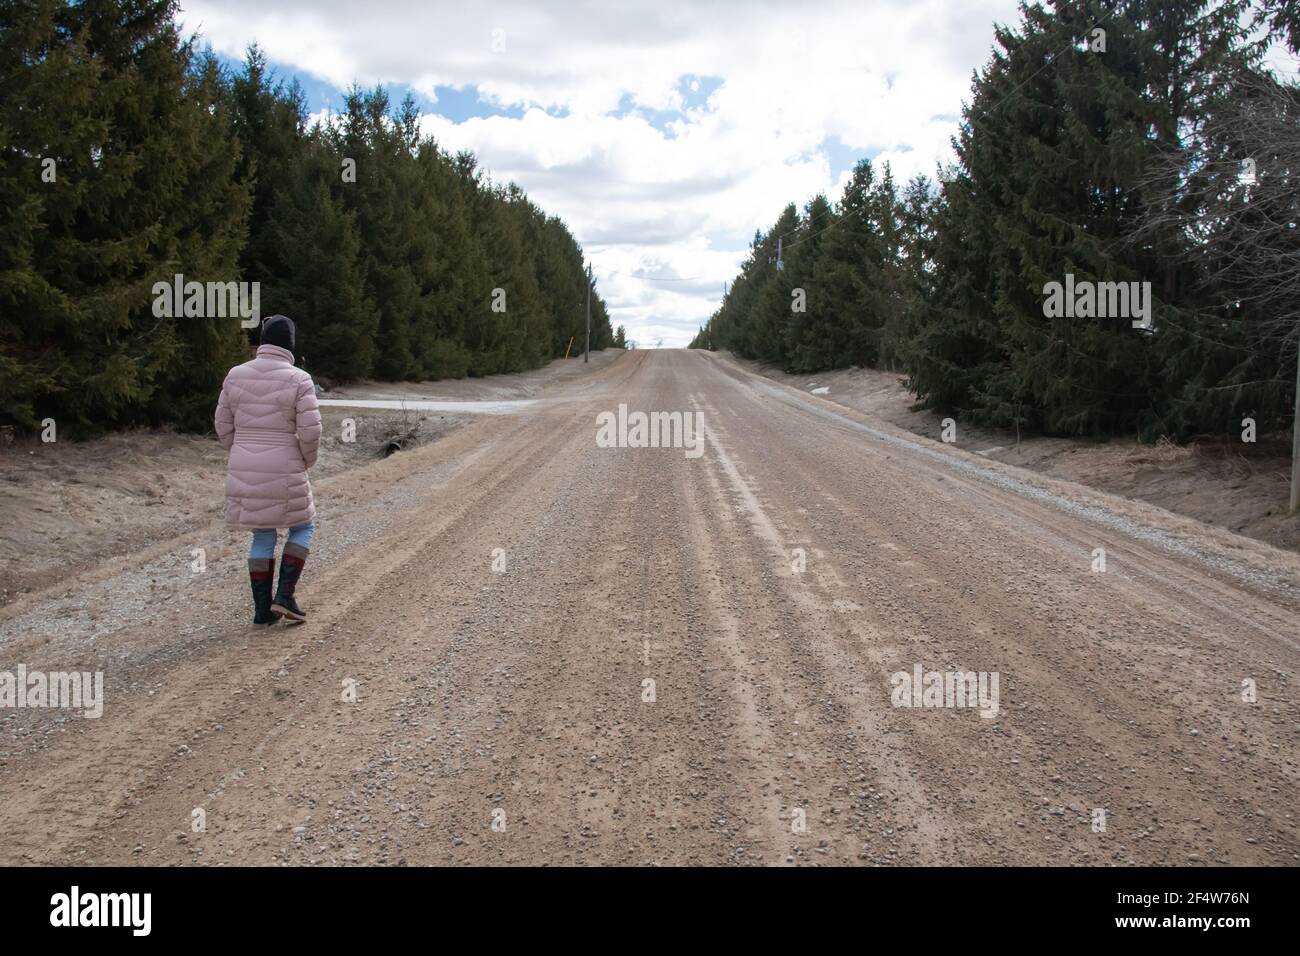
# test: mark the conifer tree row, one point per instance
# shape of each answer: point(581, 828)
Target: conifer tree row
point(1056, 176)
point(129, 155)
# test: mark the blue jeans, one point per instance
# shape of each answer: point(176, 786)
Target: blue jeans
point(263, 543)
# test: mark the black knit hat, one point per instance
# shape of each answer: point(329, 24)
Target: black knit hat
point(278, 330)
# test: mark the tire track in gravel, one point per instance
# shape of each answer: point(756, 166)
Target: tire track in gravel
point(522, 692)
point(626, 780)
point(873, 785)
point(404, 622)
point(156, 737)
point(1064, 678)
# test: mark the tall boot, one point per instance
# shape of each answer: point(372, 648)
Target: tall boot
point(261, 573)
point(291, 562)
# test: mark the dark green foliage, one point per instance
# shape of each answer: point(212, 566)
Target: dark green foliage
point(143, 187)
point(315, 271)
point(165, 164)
point(1058, 172)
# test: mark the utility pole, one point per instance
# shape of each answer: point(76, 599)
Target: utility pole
point(1295, 439)
point(586, 355)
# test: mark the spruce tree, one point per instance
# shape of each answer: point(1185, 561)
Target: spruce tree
point(811, 315)
point(144, 165)
point(316, 274)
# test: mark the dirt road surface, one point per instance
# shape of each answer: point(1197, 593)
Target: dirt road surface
point(769, 588)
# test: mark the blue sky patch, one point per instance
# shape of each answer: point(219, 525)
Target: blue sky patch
point(694, 91)
point(457, 105)
point(842, 158)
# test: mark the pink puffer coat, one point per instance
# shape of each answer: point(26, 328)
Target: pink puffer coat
point(268, 419)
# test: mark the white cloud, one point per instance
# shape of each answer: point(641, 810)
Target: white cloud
point(682, 202)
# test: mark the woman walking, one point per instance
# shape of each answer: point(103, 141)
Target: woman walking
point(268, 420)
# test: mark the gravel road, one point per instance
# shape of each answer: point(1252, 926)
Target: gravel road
point(570, 654)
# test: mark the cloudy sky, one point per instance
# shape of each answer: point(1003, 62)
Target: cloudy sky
point(663, 133)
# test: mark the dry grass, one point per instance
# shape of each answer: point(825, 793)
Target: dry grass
point(1164, 452)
